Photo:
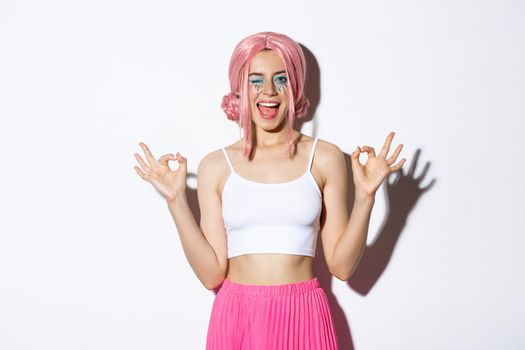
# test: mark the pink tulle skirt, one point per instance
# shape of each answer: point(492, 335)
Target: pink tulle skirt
point(293, 316)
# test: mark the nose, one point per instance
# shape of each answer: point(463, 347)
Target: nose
point(269, 88)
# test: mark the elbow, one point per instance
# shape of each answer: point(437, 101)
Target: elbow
point(214, 284)
point(340, 274)
point(215, 280)
point(341, 277)
point(344, 272)
point(211, 286)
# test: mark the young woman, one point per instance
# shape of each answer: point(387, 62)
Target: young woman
point(263, 200)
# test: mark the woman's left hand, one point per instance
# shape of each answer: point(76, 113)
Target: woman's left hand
point(368, 177)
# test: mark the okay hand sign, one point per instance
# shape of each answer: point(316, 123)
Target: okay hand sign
point(368, 177)
point(169, 183)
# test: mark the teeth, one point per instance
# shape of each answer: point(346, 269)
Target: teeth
point(269, 104)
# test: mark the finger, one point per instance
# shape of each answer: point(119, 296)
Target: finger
point(355, 153)
point(141, 174)
point(370, 150)
point(143, 164)
point(393, 158)
point(166, 158)
point(398, 165)
point(182, 160)
point(354, 156)
point(151, 159)
point(386, 146)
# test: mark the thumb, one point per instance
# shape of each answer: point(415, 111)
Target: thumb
point(182, 160)
point(354, 156)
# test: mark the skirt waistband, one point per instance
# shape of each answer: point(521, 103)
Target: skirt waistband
point(231, 287)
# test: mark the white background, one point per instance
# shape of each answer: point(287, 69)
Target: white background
point(89, 254)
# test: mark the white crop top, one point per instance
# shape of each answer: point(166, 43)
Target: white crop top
point(271, 217)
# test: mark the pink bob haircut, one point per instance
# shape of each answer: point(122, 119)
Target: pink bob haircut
point(236, 104)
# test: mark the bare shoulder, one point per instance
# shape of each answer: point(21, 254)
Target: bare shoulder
point(329, 160)
point(328, 148)
point(211, 160)
point(212, 169)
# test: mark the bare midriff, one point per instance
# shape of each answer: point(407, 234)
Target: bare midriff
point(268, 269)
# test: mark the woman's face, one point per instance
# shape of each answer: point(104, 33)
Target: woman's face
point(267, 80)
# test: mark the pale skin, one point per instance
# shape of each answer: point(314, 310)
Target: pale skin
point(205, 244)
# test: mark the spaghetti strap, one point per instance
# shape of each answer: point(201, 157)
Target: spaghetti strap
point(228, 159)
point(312, 153)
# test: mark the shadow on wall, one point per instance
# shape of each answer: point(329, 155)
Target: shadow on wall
point(402, 193)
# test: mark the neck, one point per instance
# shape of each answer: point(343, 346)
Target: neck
point(267, 139)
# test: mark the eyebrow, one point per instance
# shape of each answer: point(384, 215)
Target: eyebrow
point(279, 72)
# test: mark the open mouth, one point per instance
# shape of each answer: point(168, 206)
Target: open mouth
point(268, 109)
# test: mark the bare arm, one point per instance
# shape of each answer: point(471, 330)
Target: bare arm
point(352, 242)
point(346, 238)
point(204, 245)
point(197, 249)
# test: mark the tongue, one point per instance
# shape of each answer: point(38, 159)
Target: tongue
point(268, 111)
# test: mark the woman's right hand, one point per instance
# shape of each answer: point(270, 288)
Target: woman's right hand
point(169, 183)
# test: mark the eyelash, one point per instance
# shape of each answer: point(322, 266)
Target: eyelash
point(256, 83)
point(279, 80)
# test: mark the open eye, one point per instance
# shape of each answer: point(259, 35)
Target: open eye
point(256, 82)
point(282, 80)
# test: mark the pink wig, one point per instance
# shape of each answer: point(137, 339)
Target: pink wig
point(236, 105)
